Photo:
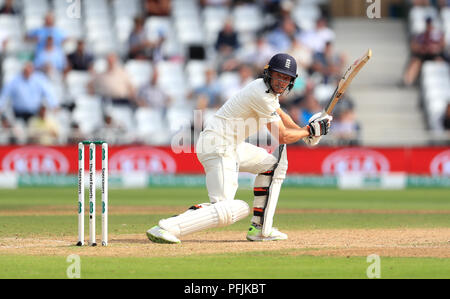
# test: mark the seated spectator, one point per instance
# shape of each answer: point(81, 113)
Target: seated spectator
point(302, 54)
point(50, 59)
point(80, 60)
point(245, 77)
point(443, 3)
point(226, 61)
point(328, 63)
point(8, 8)
point(446, 118)
point(345, 128)
point(3, 42)
point(259, 56)
point(223, 3)
point(308, 107)
point(228, 37)
point(427, 46)
point(114, 85)
point(8, 133)
point(151, 95)
point(138, 44)
point(40, 35)
point(111, 130)
point(27, 92)
point(280, 38)
point(42, 129)
point(75, 134)
point(317, 38)
point(272, 7)
point(159, 8)
point(208, 95)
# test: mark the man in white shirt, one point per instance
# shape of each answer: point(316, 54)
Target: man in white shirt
point(223, 152)
point(317, 38)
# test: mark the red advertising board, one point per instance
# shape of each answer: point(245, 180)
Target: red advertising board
point(161, 160)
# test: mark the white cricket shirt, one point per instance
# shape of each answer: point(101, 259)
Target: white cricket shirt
point(242, 115)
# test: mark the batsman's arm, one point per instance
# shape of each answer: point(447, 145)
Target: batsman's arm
point(287, 120)
point(286, 130)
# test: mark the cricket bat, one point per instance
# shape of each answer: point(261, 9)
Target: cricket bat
point(345, 81)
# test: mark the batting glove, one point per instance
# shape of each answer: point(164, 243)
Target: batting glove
point(320, 126)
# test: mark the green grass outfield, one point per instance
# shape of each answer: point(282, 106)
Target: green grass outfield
point(47, 213)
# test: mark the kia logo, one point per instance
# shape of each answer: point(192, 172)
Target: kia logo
point(440, 165)
point(35, 159)
point(146, 159)
point(362, 161)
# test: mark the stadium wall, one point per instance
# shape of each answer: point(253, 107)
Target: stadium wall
point(142, 166)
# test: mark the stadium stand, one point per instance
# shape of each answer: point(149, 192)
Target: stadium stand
point(181, 46)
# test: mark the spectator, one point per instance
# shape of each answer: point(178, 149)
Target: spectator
point(80, 60)
point(3, 42)
point(328, 63)
point(138, 44)
point(208, 95)
point(150, 95)
point(223, 3)
point(226, 61)
point(114, 84)
point(27, 92)
point(427, 46)
point(228, 37)
point(111, 130)
point(317, 39)
point(40, 35)
point(308, 107)
point(159, 8)
point(302, 54)
point(8, 133)
point(9, 8)
point(50, 59)
point(443, 3)
point(42, 129)
point(446, 118)
point(75, 134)
point(345, 128)
point(245, 76)
point(280, 38)
point(262, 53)
point(272, 7)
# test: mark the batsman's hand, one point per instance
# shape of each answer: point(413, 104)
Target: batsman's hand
point(319, 124)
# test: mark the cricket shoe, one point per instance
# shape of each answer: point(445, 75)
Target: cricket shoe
point(255, 234)
point(159, 235)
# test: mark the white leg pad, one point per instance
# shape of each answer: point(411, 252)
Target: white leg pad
point(278, 177)
point(222, 213)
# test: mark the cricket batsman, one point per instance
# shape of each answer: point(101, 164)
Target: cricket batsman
point(223, 152)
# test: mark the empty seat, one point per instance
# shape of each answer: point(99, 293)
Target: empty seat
point(148, 120)
point(179, 119)
point(323, 92)
point(122, 115)
point(73, 28)
point(195, 73)
point(140, 71)
point(124, 26)
point(35, 7)
point(88, 113)
point(158, 26)
point(126, 8)
point(10, 26)
point(77, 83)
point(247, 18)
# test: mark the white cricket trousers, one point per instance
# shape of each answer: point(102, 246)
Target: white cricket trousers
point(222, 168)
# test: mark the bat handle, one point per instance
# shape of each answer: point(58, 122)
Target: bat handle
point(324, 114)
